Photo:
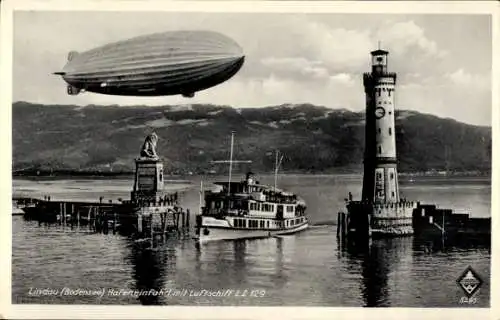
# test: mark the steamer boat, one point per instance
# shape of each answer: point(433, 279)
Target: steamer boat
point(248, 209)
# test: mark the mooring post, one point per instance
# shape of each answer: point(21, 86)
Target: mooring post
point(339, 225)
point(344, 231)
point(96, 220)
point(60, 214)
point(63, 204)
point(139, 222)
point(151, 231)
point(164, 215)
point(183, 219)
point(176, 218)
point(188, 213)
point(114, 222)
point(78, 219)
point(105, 222)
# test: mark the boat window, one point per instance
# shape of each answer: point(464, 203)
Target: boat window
point(244, 225)
point(268, 224)
point(289, 208)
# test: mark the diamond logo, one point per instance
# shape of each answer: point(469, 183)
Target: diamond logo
point(469, 281)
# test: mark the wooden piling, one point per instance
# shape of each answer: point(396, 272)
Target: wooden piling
point(63, 204)
point(60, 214)
point(114, 222)
point(151, 230)
point(176, 220)
point(96, 222)
point(188, 213)
point(139, 222)
point(339, 224)
point(165, 222)
point(344, 224)
point(77, 218)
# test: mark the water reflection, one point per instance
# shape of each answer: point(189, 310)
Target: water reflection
point(150, 269)
point(386, 264)
point(378, 259)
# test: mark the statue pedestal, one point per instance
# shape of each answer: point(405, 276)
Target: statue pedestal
point(148, 184)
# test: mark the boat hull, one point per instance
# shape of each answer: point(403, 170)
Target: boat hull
point(222, 233)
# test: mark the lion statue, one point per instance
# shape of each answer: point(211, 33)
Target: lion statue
point(149, 147)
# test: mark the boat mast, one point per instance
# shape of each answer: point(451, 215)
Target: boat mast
point(230, 163)
point(201, 196)
point(277, 164)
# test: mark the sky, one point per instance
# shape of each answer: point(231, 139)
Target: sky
point(443, 62)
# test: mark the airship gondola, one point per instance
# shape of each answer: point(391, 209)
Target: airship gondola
point(168, 63)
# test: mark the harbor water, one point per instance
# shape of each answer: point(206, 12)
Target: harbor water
point(53, 264)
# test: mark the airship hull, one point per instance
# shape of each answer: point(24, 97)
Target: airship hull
point(170, 63)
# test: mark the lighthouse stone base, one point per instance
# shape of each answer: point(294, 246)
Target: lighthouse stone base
point(380, 219)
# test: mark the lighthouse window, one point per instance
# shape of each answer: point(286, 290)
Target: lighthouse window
point(392, 193)
point(379, 149)
point(390, 131)
point(379, 130)
point(392, 175)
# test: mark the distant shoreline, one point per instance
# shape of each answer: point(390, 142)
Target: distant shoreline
point(97, 174)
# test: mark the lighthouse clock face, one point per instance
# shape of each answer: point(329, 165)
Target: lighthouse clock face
point(379, 112)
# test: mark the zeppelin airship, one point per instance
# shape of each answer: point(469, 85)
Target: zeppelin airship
point(168, 63)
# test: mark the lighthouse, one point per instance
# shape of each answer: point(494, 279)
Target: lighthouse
point(380, 212)
point(380, 180)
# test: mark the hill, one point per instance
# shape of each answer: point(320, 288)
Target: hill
point(314, 139)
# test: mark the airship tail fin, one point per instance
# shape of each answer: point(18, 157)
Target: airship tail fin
point(71, 55)
point(72, 90)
